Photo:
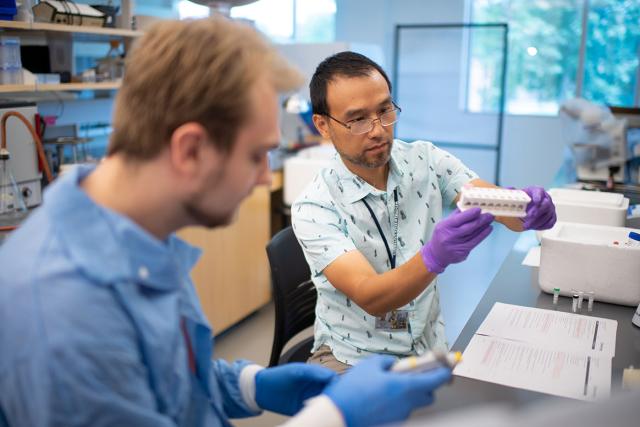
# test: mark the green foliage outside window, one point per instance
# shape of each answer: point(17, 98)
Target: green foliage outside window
point(613, 43)
point(544, 50)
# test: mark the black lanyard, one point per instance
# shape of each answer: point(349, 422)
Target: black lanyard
point(392, 257)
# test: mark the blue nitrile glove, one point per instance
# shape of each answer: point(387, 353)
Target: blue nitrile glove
point(541, 212)
point(454, 237)
point(368, 394)
point(283, 389)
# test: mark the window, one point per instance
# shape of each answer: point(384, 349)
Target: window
point(611, 57)
point(294, 21)
point(545, 50)
point(188, 9)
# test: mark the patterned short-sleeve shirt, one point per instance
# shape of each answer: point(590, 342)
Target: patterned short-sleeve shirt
point(330, 219)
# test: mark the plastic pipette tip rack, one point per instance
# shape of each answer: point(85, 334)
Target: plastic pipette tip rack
point(496, 201)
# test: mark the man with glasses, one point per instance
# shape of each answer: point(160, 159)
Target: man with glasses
point(371, 225)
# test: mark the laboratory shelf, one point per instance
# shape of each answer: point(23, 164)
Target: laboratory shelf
point(77, 86)
point(75, 29)
point(59, 87)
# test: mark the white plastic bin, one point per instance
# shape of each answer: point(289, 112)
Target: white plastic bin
point(590, 207)
point(585, 257)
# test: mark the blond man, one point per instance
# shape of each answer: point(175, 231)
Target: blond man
point(100, 321)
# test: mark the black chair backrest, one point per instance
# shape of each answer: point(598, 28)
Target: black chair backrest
point(294, 294)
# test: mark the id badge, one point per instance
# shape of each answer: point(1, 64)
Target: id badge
point(396, 320)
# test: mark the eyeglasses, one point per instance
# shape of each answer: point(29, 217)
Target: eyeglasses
point(360, 126)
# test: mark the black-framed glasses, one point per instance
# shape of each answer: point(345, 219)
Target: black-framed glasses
point(360, 126)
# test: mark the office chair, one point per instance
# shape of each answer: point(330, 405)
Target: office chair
point(294, 297)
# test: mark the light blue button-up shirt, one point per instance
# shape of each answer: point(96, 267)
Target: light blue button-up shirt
point(329, 219)
point(90, 314)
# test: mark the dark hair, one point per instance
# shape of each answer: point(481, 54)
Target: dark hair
point(348, 64)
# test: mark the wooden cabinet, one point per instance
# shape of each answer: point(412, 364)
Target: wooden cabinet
point(233, 277)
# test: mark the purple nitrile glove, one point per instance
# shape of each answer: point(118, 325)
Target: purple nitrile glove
point(454, 237)
point(541, 212)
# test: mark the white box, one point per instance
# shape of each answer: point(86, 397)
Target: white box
point(299, 170)
point(584, 257)
point(590, 207)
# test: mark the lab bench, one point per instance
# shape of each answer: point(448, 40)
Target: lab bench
point(513, 285)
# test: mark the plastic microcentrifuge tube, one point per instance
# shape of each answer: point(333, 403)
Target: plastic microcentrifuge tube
point(580, 298)
point(556, 294)
point(574, 303)
point(591, 295)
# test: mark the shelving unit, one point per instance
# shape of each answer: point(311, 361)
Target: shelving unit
point(59, 87)
point(76, 29)
point(84, 33)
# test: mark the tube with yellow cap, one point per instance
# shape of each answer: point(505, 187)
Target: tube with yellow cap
point(428, 361)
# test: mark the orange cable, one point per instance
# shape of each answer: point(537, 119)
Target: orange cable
point(36, 138)
point(39, 148)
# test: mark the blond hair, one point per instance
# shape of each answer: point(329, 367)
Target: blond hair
point(192, 71)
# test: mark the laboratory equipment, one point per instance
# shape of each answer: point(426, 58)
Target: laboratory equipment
point(296, 123)
point(496, 201)
point(591, 296)
point(59, 12)
point(428, 361)
point(597, 140)
point(12, 206)
point(22, 148)
point(24, 12)
point(556, 294)
point(110, 11)
point(111, 67)
point(65, 151)
point(574, 302)
point(580, 299)
point(585, 257)
point(631, 117)
point(10, 60)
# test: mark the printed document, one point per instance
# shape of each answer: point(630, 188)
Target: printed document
point(552, 352)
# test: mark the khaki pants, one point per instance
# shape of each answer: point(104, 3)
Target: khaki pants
point(325, 357)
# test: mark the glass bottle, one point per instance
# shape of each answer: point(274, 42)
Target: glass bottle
point(12, 206)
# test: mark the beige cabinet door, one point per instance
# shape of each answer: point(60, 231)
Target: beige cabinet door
point(232, 277)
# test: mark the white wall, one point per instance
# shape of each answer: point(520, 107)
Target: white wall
point(532, 146)
point(532, 150)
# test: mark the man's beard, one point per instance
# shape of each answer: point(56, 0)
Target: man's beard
point(379, 160)
point(204, 219)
